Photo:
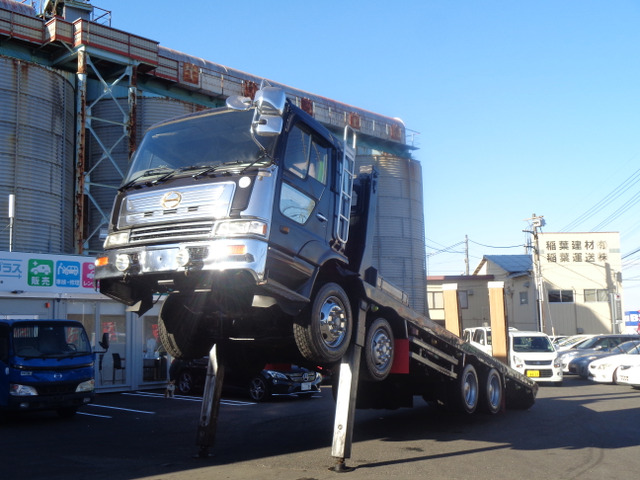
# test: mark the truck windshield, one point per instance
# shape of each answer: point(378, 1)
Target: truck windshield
point(49, 340)
point(216, 141)
point(532, 344)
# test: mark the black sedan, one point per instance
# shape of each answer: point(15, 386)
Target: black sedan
point(274, 379)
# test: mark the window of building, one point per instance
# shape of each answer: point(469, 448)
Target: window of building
point(463, 298)
point(524, 298)
point(436, 300)
point(560, 296)
point(595, 295)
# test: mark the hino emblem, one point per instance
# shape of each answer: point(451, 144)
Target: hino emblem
point(171, 200)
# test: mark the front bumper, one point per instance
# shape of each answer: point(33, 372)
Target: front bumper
point(134, 274)
point(49, 402)
point(542, 375)
point(216, 255)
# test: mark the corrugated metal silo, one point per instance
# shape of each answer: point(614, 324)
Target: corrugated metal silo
point(104, 171)
point(398, 247)
point(37, 156)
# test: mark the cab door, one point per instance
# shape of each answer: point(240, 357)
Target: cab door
point(303, 210)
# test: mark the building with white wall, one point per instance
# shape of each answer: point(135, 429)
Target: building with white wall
point(574, 280)
point(582, 282)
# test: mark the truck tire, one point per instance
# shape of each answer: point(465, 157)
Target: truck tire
point(492, 392)
point(378, 351)
point(323, 332)
point(180, 327)
point(465, 394)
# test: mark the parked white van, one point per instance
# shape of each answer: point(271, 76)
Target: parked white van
point(530, 353)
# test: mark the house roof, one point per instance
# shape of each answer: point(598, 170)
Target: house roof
point(514, 265)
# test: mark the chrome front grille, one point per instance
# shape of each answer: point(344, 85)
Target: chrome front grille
point(172, 232)
point(299, 377)
point(191, 203)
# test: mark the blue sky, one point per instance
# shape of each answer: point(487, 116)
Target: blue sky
point(522, 107)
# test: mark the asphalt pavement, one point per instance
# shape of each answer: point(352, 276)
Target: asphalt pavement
point(578, 431)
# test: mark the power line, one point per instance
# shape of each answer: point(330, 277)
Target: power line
point(446, 249)
point(609, 198)
point(494, 246)
point(626, 206)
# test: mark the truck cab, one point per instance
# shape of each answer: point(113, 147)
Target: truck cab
point(45, 365)
point(234, 214)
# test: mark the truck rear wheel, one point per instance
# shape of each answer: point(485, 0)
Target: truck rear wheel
point(180, 327)
point(323, 333)
point(492, 393)
point(378, 350)
point(465, 391)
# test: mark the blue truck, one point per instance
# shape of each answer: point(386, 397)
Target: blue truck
point(45, 365)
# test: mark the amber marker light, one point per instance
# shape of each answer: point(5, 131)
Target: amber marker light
point(236, 250)
point(102, 261)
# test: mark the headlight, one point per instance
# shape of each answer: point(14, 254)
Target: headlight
point(241, 227)
point(279, 375)
point(116, 239)
point(517, 362)
point(123, 262)
point(183, 257)
point(557, 363)
point(18, 390)
point(87, 386)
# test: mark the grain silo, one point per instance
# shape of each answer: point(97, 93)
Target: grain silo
point(398, 245)
point(36, 155)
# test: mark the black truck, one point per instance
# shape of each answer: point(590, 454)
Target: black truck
point(251, 224)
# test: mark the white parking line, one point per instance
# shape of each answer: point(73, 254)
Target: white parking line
point(188, 398)
point(123, 409)
point(94, 415)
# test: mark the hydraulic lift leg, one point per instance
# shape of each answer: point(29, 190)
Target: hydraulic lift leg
point(347, 393)
point(210, 404)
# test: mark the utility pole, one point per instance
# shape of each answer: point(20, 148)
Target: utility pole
point(466, 255)
point(537, 222)
point(12, 214)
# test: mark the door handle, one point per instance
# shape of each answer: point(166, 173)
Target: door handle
point(321, 217)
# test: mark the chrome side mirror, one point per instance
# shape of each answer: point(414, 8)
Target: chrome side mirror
point(270, 103)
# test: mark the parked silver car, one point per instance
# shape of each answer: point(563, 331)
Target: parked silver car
point(597, 343)
point(579, 365)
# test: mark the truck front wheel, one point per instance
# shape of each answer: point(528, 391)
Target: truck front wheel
point(181, 329)
point(323, 333)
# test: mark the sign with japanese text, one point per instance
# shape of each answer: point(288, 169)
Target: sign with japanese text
point(33, 272)
point(580, 248)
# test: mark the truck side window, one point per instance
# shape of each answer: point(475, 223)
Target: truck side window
point(295, 204)
point(305, 156)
